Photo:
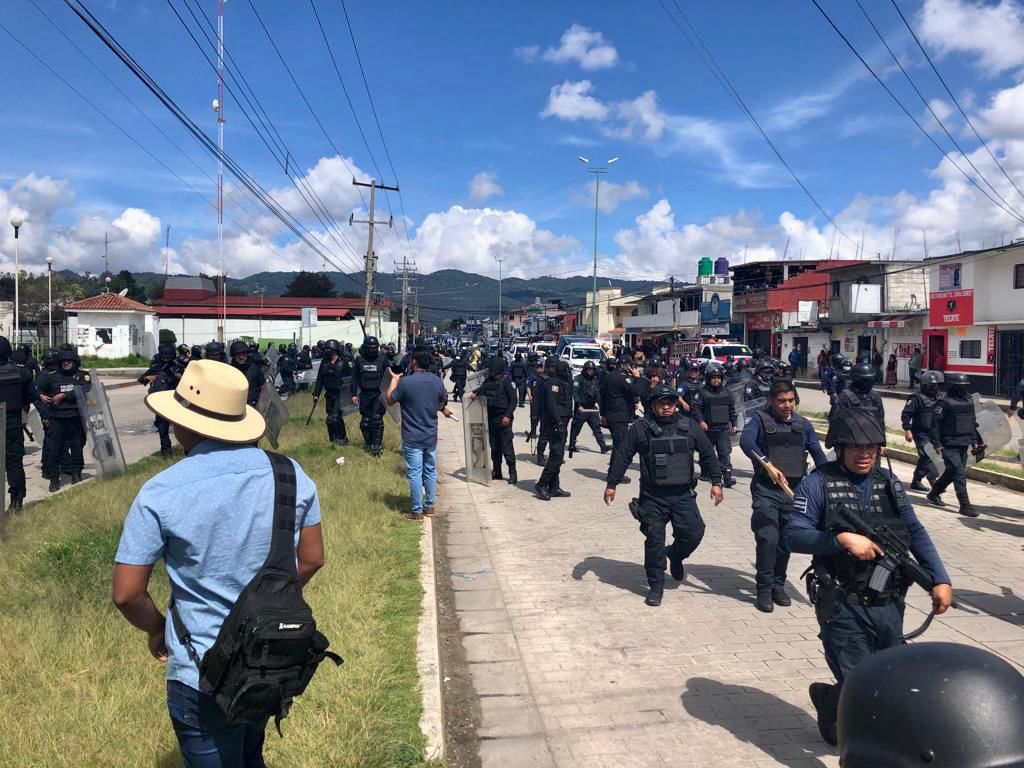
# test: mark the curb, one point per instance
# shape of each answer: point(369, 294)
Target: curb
point(428, 652)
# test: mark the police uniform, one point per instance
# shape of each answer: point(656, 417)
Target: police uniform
point(163, 381)
point(459, 370)
point(17, 392)
point(718, 412)
point(367, 380)
point(253, 371)
point(954, 430)
point(586, 394)
point(855, 619)
point(555, 416)
point(667, 480)
point(785, 445)
point(330, 379)
point(917, 417)
point(757, 388)
point(501, 403)
point(65, 421)
point(536, 389)
point(50, 364)
point(618, 405)
point(517, 372)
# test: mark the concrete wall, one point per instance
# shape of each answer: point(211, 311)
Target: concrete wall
point(815, 341)
point(991, 277)
point(905, 291)
point(202, 330)
point(661, 319)
point(113, 334)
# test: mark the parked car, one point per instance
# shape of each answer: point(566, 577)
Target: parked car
point(724, 351)
point(578, 354)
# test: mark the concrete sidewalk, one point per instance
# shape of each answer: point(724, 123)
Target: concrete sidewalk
point(570, 668)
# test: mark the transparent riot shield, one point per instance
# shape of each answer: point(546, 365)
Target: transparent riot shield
point(94, 408)
point(274, 411)
point(32, 425)
point(272, 355)
point(993, 426)
point(743, 408)
point(1020, 443)
point(3, 447)
point(478, 451)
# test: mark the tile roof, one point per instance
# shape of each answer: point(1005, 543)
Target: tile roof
point(110, 302)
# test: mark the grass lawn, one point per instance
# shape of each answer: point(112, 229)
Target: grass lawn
point(132, 361)
point(78, 688)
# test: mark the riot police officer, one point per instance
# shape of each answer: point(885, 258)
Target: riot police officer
point(459, 368)
point(718, 413)
point(555, 415)
point(252, 372)
point(28, 360)
point(501, 406)
point(954, 430)
point(917, 417)
point(183, 349)
point(586, 395)
point(65, 422)
point(50, 365)
point(160, 378)
point(842, 371)
point(743, 374)
point(757, 388)
point(196, 353)
point(859, 613)
point(330, 379)
point(859, 394)
point(215, 351)
point(777, 440)
point(305, 359)
point(534, 386)
point(518, 371)
point(665, 440)
point(367, 379)
point(286, 367)
point(17, 392)
point(618, 403)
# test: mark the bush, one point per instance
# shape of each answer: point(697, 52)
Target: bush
point(132, 361)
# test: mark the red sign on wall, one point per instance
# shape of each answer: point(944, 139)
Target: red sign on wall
point(758, 321)
point(951, 308)
point(990, 356)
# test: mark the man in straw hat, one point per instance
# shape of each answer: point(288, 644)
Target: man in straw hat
point(189, 516)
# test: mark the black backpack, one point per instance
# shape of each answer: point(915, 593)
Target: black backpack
point(268, 648)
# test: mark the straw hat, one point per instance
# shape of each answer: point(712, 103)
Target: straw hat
point(211, 401)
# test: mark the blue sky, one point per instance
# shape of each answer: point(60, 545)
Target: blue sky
point(485, 106)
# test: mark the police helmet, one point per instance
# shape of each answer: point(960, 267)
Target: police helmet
point(181, 361)
point(838, 359)
point(550, 363)
point(238, 347)
point(26, 349)
point(611, 363)
point(282, 348)
point(741, 364)
point(215, 350)
point(305, 347)
point(765, 368)
point(854, 426)
point(563, 370)
point(5, 349)
point(930, 381)
point(590, 365)
point(332, 345)
point(182, 349)
point(50, 356)
point(713, 371)
point(292, 349)
point(786, 371)
point(846, 366)
point(730, 367)
point(943, 705)
point(497, 366)
point(165, 351)
point(957, 380)
point(663, 392)
point(371, 345)
point(196, 352)
point(862, 377)
point(66, 355)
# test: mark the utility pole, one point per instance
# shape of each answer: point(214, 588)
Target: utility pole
point(371, 259)
point(672, 293)
point(895, 234)
point(167, 253)
point(403, 331)
point(597, 194)
point(500, 257)
point(106, 253)
point(924, 239)
point(218, 107)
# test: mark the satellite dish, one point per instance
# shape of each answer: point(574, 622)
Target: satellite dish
point(123, 292)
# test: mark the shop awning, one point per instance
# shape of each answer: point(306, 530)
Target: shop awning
point(887, 323)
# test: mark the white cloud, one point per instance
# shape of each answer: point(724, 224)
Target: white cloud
point(584, 46)
point(571, 101)
point(991, 32)
point(527, 53)
point(942, 110)
point(639, 118)
point(612, 195)
point(484, 186)
point(1004, 117)
point(331, 180)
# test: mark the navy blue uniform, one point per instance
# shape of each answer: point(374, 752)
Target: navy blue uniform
point(330, 379)
point(917, 417)
point(954, 430)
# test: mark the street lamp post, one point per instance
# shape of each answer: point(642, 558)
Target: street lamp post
point(597, 192)
point(49, 296)
point(16, 221)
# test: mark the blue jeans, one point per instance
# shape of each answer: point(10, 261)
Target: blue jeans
point(206, 740)
point(421, 468)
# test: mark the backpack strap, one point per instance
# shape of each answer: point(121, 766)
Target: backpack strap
point(282, 543)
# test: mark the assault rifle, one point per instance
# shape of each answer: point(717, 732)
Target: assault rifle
point(896, 557)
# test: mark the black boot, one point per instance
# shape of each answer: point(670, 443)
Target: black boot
point(513, 478)
point(730, 481)
point(654, 595)
point(54, 484)
point(559, 493)
point(966, 508)
point(676, 568)
point(76, 477)
point(764, 602)
point(917, 485)
point(541, 461)
point(496, 473)
point(935, 498)
point(779, 597)
point(825, 699)
point(16, 505)
point(604, 448)
point(542, 492)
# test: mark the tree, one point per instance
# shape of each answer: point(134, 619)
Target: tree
point(351, 295)
point(126, 280)
point(167, 336)
point(310, 285)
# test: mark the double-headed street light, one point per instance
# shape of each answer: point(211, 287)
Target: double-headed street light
point(16, 221)
point(597, 193)
point(49, 296)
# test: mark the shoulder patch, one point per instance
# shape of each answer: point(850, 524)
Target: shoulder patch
point(554, 388)
point(85, 377)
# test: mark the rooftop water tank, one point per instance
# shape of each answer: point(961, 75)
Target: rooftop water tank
point(704, 267)
point(722, 266)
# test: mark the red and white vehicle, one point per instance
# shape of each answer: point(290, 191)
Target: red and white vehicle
point(723, 351)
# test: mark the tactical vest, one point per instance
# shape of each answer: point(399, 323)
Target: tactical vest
point(12, 388)
point(958, 418)
point(669, 458)
point(715, 408)
point(924, 416)
point(588, 392)
point(784, 445)
point(851, 573)
point(458, 369)
point(371, 374)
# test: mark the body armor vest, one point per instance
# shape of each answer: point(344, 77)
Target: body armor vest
point(371, 374)
point(851, 573)
point(459, 369)
point(958, 418)
point(924, 416)
point(669, 457)
point(716, 408)
point(785, 445)
point(589, 392)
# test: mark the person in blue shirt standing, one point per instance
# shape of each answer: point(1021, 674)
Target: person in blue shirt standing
point(780, 437)
point(190, 517)
point(858, 614)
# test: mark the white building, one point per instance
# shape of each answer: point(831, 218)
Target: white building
point(111, 325)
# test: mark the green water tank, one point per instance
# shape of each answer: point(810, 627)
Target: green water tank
point(704, 267)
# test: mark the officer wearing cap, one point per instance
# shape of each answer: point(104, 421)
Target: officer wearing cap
point(665, 440)
point(778, 436)
point(586, 394)
point(160, 378)
point(60, 395)
point(501, 407)
point(555, 416)
point(942, 705)
point(330, 378)
point(917, 417)
point(618, 398)
point(718, 418)
point(954, 431)
point(858, 614)
point(367, 379)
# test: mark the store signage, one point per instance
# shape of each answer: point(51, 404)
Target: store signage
point(949, 277)
point(950, 308)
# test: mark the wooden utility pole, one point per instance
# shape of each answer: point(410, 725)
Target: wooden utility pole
point(403, 332)
point(371, 259)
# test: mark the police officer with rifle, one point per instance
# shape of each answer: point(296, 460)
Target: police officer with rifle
point(586, 394)
point(860, 394)
point(665, 440)
point(918, 416)
point(858, 524)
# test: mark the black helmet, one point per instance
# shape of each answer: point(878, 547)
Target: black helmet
point(5, 349)
point(590, 365)
point(563, 370)
point(853, 426)
point(765, 368)
point(741, 364)
point(611, 363)
point(215, 351)
point(165, 351)
point(197, 352)
point(181, 361)
point(50, 356)
point(497, 365)
point(332, 345)
point(838, 359)
point(370, 346)
point(931, 381)
point(305, 347)
point(712, 371)
point(846, 365)
point(862, 377)
point(937, 704)
point(292, 349)
point(282, 348)
point(663, 392)
point(957, 380)
point(26, 349)
point(238, 347)
point(66, 355)
point(182, 349)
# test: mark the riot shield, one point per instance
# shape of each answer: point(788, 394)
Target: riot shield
point(3, 447)
point(272, 355)
point(32, 424)
point(478, 451)
point(274, 411)
point(94, 408)
point(993, 426)
point(743, 408)
point(1020, 443)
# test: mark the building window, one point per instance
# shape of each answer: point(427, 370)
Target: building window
point(106, 335)
point(970, 350)
point(1018, 276)
point(836, 286)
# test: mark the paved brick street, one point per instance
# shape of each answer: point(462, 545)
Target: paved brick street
point(572, 669)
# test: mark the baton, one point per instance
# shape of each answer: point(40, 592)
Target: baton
point(769, 466)
point(308, 418)
point(454, 418)
point(31, 437)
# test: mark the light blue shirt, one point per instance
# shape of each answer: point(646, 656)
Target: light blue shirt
point(209, 518)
